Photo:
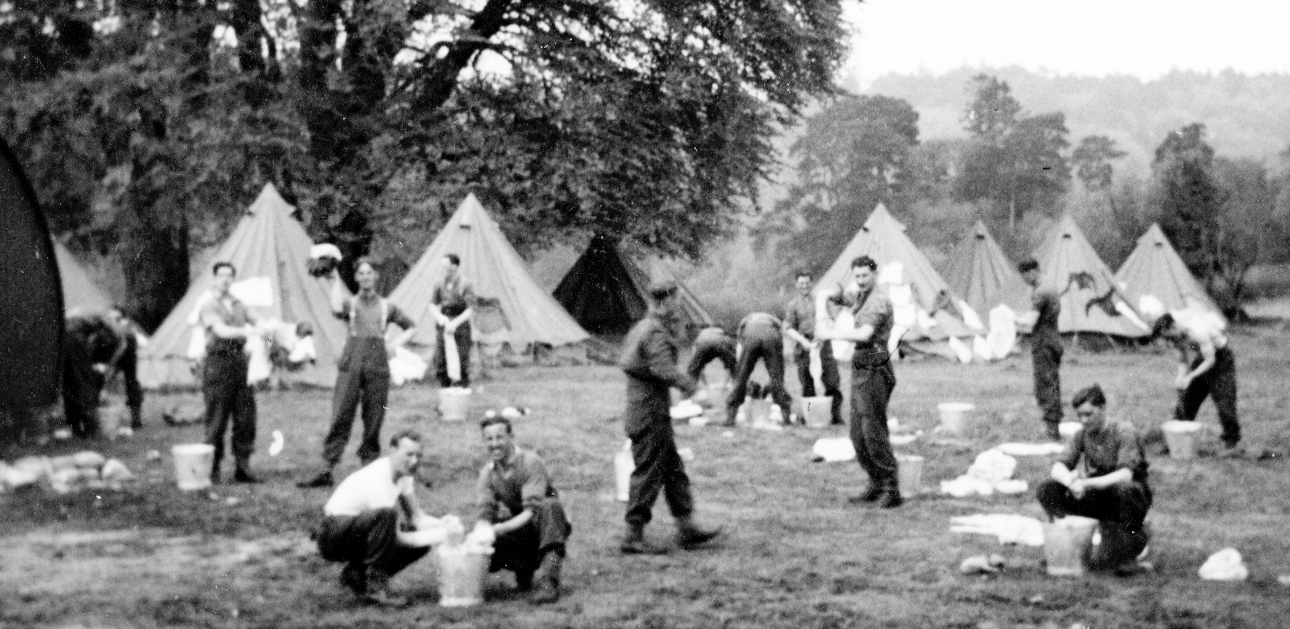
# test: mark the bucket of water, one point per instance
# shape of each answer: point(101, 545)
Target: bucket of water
point(954, 416)
point(624, 465)
point(911, 474)
point(109, 420)
point(757, 411)
point(193, 462)
point(454, 402)
point(461, 575)
point(1067, 544)
point(1182, 438)
point(818, 411)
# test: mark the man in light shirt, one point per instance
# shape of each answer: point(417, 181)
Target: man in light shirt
point(368, 522)
point(1206, 368)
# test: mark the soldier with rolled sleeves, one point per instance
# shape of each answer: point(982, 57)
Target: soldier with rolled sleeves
point(224, 386)
point(515, 496)
point(1206, 368)
point(649, 360)
point(452, 307)
point(711, 344)
point(761, 338)
point(872, 382)
point(363, 375)
point(799, 326)
point(1045, 347)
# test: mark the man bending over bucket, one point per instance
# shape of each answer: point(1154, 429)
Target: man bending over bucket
point(373, 524)
point(711, 344)
point(516, 497)
point(1207, 368)
point(1110, 486)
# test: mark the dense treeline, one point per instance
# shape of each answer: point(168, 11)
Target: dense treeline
point(1019, 168)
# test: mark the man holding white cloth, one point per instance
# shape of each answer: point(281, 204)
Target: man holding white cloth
point(451, 305)
point(373, 523)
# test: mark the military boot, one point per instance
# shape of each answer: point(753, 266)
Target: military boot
point(691, 535)
point(634, 542)
point(548, 581)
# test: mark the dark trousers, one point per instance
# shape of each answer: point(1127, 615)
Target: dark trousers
point(128, 365)
point(767, 346)
point(1219, 383)
point(871, 388)
point(81, 385)
point(227, 396)
point(368, 540)
point(521, 550)
point(364, 377)
point(828, 376)
point(658, 468)
point(462, 335)
point(1048, 382)
point(705, 353)
point(1120, 508)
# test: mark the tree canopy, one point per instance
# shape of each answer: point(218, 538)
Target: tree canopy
point(149, 124)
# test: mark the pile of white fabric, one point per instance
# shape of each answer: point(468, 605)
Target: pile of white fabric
point(1224, 565)
point(406, 366)
point(64, 474)
point(1009, 528)
point(991, 472)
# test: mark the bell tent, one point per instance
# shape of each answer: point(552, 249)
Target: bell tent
point(1154, 271)
point(916, 287)
point(80, 293)
point(526, 315)
point(269, 248)
point(605, 289)
point(983, 276)
point(1091, 301)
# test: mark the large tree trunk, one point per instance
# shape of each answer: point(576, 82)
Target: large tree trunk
point(154, 256)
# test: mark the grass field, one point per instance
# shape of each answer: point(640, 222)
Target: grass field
point(796, 554)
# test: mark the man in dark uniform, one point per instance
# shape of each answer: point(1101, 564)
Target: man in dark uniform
point(1045, 347)
point(224, 386)
point(452, 306)
point(762, 338)
point(711, 344)
point(1110, 486)
point(649, 360)
point(516, 497)
point(872, 381)
point(799, 326)
point(125, 361)
point(81, 382)
point(364, 368)
point(1206, 368)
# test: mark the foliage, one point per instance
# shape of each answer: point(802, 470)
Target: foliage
point(1013, 161)
point(1188, 199)
point(1092, 160)
point(854, 154)
point(647, 120)
point(1247, 227)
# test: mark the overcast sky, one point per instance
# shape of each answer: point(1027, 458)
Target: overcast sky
point(1144, 38)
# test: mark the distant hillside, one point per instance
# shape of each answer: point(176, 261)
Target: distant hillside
point(1245, 115)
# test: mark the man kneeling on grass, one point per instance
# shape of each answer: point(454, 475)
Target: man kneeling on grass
point(1110, 486)
point(373, 524)
point(516, 497)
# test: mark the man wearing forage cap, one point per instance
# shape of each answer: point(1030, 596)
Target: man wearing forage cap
point(649, 360)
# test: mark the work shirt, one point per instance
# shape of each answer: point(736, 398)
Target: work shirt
point(875, 310)
point(1116, 446)
point(1049, 307)
point(453, 296)
point(370, 488)
point(231, 312)
point(516, 484)
point(760, 323)
point(649, 360)
point(799, 314)
point(364, 314)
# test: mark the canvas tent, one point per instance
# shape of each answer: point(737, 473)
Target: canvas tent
point(604, 289)
point(982, 275)
point(80, 293)
point(268, 245)
point(901, 264)
point(1155, 271)
point(528, 315)
point(1069, 265)
point(31, 305)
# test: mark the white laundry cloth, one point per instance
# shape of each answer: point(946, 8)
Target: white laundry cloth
point(1009, 528)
